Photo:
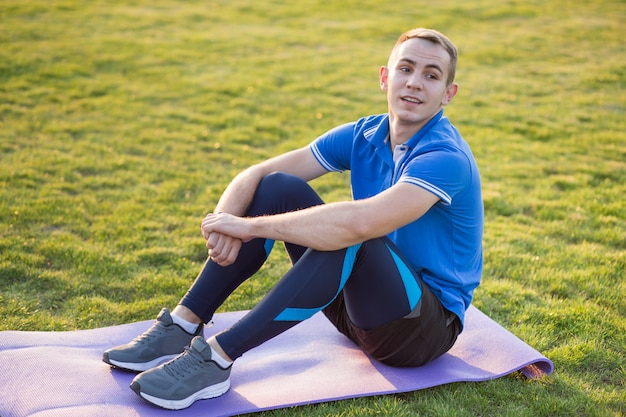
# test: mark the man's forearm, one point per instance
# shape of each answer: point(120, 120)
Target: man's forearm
point(327, 227)
point(239, 193)
point(331, 226)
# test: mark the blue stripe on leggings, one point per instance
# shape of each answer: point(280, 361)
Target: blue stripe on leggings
point(413, 290)
point(301, 314)
point(269, 244)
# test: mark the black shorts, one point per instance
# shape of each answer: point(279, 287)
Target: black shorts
point(426, 333)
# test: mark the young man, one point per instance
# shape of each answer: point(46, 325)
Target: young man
point(394, 270)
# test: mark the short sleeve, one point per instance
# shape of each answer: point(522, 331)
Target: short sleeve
point(444, 172)
point(333, 149)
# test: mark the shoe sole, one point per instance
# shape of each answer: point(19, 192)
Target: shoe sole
point(204, 394)
point(137, 366)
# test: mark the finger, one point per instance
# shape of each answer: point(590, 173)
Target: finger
point(231, 252)
point(205, 226)
point(222, 260)
point(218, 247)
point(213, 240)
point(228, 250)
point(202, 228)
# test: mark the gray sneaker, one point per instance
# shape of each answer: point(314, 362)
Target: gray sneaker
point(192, 376)
point(163, 341)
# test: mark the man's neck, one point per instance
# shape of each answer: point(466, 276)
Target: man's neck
point(400, 133)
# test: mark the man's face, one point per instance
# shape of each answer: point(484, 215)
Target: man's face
point(415, 82)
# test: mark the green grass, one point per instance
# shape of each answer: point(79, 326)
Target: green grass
point(122, 122)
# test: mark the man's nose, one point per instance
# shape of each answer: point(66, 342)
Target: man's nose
point(414, 82)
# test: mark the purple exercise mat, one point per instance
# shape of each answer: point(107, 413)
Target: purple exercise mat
point(44, 374)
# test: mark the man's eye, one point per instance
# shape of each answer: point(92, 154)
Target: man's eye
point(405, 69)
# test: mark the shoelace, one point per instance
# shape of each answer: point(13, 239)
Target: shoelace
point(149, 334)
point(184, 364)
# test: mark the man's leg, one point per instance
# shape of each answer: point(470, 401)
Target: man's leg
point(277, 193)
point(313, 282)
point(368, 291)
point(372, 281)
point(364, 311)
point(169, 336)
point(366, 274)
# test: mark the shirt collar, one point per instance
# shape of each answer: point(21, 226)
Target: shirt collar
point(411, 143)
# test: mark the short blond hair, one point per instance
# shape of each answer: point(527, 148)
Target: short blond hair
point(435, 37)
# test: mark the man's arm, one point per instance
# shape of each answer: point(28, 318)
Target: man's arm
point(223, 249)
point(335, 225)
point(239, 193)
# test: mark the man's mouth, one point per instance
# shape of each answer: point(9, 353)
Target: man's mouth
point(412, 100)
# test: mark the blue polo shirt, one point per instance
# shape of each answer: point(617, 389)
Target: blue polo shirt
point(445, 244)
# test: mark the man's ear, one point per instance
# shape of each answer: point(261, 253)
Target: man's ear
point(451, 91)
point(383, 76)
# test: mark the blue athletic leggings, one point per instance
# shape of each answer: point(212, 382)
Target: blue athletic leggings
point(374, 281)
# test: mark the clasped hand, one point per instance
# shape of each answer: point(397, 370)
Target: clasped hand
point(224, 235)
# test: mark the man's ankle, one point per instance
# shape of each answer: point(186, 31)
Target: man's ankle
point(186, 319)
point(217, 353)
